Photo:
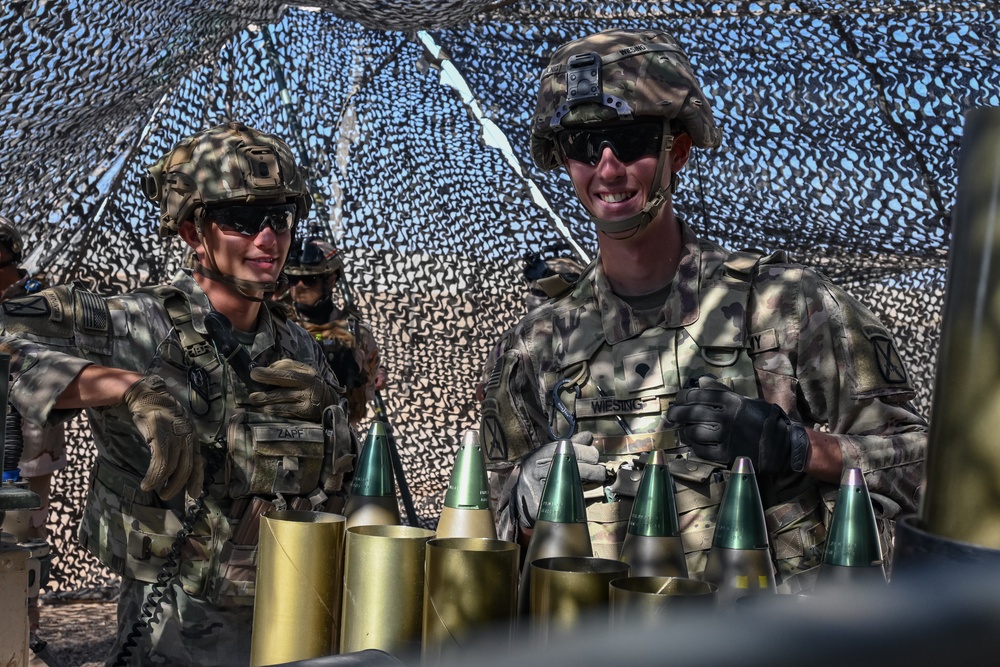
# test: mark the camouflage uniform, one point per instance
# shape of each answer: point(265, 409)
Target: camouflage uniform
point(347, 340)
point(345, 334)
point(57, 333)
point(813, 350)
point(44, 449)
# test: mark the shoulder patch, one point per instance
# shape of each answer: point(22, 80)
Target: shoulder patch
point(31, 306)
point(890, 364)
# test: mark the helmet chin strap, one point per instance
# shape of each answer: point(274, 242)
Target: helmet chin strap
point(245, 287)
point(657, 198)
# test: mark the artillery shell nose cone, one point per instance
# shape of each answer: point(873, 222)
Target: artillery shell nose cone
point(373, 475)
point(562, 496)
point(741, 522)
point(468, 487)
point(853, 537)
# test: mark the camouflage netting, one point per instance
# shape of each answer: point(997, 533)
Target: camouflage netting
point(842, 123)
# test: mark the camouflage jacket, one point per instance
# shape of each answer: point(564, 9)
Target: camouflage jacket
point(815, 351)
point(351, 350)
point(55, 334)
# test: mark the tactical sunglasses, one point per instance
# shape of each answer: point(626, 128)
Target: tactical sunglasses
point(628, 142)
point(308, 281)
point(249, 220)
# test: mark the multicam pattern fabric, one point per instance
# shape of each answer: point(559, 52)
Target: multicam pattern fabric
point(647, 71)
point(44, 448)
point(816, 352)
point(179, 637)
point(344, 335)
point(226, 163)
point(55, 334)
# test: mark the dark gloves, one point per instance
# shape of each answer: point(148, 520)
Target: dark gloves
point(174, 460)
point(527, 492)
point(301, 393)
point(720, 425)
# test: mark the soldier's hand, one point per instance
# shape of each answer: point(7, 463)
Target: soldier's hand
point(535, 465)
point(720, 425)
point(174, 462)
point(300, 391)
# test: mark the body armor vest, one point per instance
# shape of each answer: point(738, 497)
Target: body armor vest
point(621, 392)
point(253, 463)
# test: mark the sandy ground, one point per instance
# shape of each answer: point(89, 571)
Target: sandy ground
point(78, 634)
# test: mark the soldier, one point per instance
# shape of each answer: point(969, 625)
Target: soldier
point(544, 279)
point(744, 353)
point(206, 405)
point(314, 269)
point(44, 450)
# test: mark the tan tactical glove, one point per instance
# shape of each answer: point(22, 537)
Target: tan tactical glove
point(174, 462)
point(527, 492)
point(302, 392)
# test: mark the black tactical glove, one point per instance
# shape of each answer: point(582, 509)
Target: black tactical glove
point(174, 462)
point(527, 492)
point(301, 392)
point(720, 425)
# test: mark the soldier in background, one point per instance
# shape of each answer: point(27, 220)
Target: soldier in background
point(544, 279)
point(740, 353)
point(314, 270)
point(44, 450)
point(206, 405)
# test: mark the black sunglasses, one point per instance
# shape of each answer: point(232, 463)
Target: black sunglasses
point(308, 281)
point(628, 142)
point(249, 220)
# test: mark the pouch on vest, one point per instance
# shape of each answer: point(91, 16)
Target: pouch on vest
point(125, 531)
point(268, 456)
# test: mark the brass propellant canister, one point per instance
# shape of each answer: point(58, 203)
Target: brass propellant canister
point(561, 526)
point(467, 511)
point(960, 499)
point(566, 590)
point(373, 492)
point(652, 545)
point(384, 589)
point(739, 562)
point(649, 600)
point(470, 587)
point(297, 603)
point(853, 553)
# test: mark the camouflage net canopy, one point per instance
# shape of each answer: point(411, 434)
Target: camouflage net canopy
point(842, 123)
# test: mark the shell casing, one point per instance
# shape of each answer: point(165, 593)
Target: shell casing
point(299, 580)
point(383, 588)
point(550, 540)
point(566, 590)
point(470, 586)
point(962, 486)
point(650, 600)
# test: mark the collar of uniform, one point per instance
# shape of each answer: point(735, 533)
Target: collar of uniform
point(621, 322)
point(200, 306)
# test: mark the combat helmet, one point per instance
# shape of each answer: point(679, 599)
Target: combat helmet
point(315, 257)
point(621, 75)
point(10, 237)
point(550, 277)
point(228, 163)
